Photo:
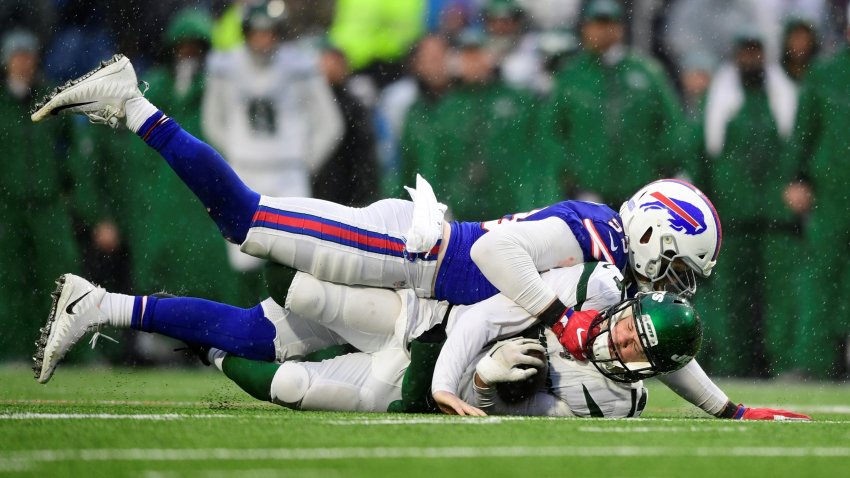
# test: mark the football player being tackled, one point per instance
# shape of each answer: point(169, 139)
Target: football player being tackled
point(403, 244)
point(408, 345)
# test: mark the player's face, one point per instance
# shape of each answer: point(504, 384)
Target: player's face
point(624, 339)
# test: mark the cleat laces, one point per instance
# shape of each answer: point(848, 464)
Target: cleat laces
point(109, 114)
point(97, 335)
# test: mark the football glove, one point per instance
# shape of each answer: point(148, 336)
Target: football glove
point(510, 361)
point(572, 331)
point(750, 413)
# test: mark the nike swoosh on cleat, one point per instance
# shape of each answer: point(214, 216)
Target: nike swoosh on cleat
point(70, 308)
point(56, 111)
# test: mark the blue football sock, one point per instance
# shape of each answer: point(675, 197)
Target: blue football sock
point(243, 332)
point(231, 204)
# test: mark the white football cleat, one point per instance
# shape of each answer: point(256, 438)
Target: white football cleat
point(75, 311)
point(99, 94)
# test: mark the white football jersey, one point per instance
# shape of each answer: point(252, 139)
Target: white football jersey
point(574, 388)
point(273, 122)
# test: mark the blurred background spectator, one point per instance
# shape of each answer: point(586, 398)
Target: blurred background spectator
point(36, 237)
point(482, 129)
point(819, 149)
point(611, 107)
point(351, 174)
point(270, 111)
point(406, 113)
point(799, 46)
point(504, 105)
point(749, 114)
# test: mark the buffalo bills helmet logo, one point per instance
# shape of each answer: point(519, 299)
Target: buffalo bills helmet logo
point(683, 216)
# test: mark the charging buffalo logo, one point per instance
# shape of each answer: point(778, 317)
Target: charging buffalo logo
point(683, 216)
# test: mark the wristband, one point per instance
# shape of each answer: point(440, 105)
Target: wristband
point(730, 410)
point(553, 313)
point(485, 396)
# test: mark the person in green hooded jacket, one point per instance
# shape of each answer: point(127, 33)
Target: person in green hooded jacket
point(36, 234)
point(481, 133)
point(612, 112)
point(819, 147)
point(748, 116)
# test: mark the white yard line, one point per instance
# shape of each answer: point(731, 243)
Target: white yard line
point(121, 403)
point(663, 429)
point(437, 420)
point(106, 416)
point(9, 460)
point(630, 425)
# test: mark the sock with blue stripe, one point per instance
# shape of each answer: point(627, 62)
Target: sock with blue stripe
point(241, 332)
point(230, 203)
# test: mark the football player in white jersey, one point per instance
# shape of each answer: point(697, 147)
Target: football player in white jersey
point(383, 324)
point(635, 339)
point(401, 244)
point(268, 108)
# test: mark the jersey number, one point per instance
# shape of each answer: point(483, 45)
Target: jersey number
point(489, 225)
point(615, 225)
point(262, 116)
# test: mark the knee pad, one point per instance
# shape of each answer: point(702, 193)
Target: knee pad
point(290, 385)
point(307, 297)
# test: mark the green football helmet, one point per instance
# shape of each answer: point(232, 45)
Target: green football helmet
point(667, 326)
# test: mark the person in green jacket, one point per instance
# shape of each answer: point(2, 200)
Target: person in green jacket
point(748, 115)
point(36, 234)
point(800, 46)
point(427, 82)
point(482, 131)
point(611, 111)
point(819, 147)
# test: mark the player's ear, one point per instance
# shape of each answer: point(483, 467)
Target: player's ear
point(278, 280)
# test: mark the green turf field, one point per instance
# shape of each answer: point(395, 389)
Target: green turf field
point(170, 423)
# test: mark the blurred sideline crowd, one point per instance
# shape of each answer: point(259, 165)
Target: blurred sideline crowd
point(503, 105)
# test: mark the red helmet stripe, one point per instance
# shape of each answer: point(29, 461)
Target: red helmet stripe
point(710, 206)
point(675, 208)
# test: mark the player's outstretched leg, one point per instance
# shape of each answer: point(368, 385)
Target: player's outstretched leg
point(110, 93)
point(364, 246)
point(79, 306)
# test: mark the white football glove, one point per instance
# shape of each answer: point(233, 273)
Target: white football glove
point(503, 363)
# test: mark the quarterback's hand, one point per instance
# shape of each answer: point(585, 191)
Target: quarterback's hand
point(748, 413)
point(572, 331)
point(451, 404)
point(511, 361)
